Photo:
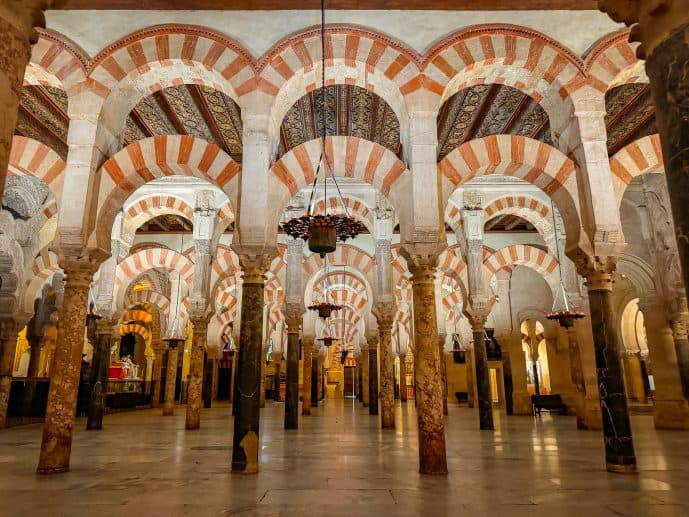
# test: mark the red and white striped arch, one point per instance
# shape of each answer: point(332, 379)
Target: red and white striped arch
point(350, 157)
point(643, 156)
point(146, 296)
point(226, 264)
point(452, 265)
point(137, 315)
point(507, 54)
point(525, 255)
point(156, 157)
point(43, 267)
point(347, 297)
point(345, 254)
point(147, 208)
point(353, 56)
point(345, 280)
point(158, 57)
point(135, 328)
point(141, 261)
point(529, 160)
point(29, 157)
point(355, 207)
point(613, 62)
point(55, 61)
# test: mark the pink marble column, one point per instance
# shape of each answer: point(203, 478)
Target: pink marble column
point(8, 343)
point(195, 385)
point(429, 391)
point(171, 380)
point(56, 445)
point(387, 390)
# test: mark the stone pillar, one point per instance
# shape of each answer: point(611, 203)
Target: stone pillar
point(56, 444)
point(277, 361)
point(315, 368)
point(209, 368)
point(262, 392)
point(429, 392)
point(195, 383)
point(292, 381)
point(471, 384)
point(485, 402)
point(670, 409)
point(364, 377)
point(245, 442)
point(617, 431)
point(101, 362)
point(443, 369)
point(307, 369)
point(403, 378)
point(9, 330)
point(387, 390)
point(679, 333)
point(636, 389)
point(157, 375)
point(577, 374)
point(171, 380)
point(521, 401)
point(17, 22)
point(372, 375)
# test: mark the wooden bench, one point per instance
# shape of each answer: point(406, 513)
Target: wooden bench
point(548, 403)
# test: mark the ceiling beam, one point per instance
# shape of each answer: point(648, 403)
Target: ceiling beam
point(169, 111)
point(629, 106)
point(141, 123)
point(481, 112)
point(244, 5)
point(630, 136)
point(202, 106)
point(516, 114)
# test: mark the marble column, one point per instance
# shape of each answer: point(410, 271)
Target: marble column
point(277, 362)
point(101, 362)
point(17, 22)
point(245, 441)
point(485, 401)
point(315, 368)
point(617, 431)
point(403, 378)
point(373, 375)
point(171, 379)
point(195, 383)
point(443, 370)
point(292, 374)
point(471, 384)
point(387, 390)
point(262, 392)
point(577, 374)
point(364, 377)
point(670, 408)
point(306, 380)
point(56, 444)
point(521, 401)
point(157, 375)
point(679, 333)
point(429, 392)
point(9, 330)
point(209, 368)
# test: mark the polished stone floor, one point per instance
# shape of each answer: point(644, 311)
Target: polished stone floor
point(340, 463)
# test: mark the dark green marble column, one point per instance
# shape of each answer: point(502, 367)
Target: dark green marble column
point(292, 375)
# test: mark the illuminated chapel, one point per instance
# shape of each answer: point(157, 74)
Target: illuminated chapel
point(344, 258)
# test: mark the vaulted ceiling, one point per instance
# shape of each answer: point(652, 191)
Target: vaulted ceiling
point(349, 111)
point(630, 115)
point(489, 109)
point(43, 117)
point(509, 223)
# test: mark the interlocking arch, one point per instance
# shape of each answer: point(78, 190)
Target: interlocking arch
point(525, 255)
point(612, 62)
point(56, 61)
point(644, 156)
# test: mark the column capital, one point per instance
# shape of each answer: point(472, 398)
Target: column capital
point(597, 270)
point(422, 267)
point(385, 315)
point(79, 265)
point(254, 267)
point(293, 315)
point(652, 21)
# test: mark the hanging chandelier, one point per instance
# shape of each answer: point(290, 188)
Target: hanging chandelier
point(324, 308)
point(567, 316)
point(322, 232)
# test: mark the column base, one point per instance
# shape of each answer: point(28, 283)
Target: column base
point(616, 468)
point(671, 414)
point(47, 471)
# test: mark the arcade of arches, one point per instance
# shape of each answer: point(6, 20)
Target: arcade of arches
point(503, 170)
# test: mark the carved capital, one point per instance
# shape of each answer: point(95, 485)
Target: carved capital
point(255, 267)
point(422, 267)
point(652, 21)
point(385, 315)
point(597, 271)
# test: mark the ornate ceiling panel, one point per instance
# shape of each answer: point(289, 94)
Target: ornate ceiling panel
point(349, 111)
point(188, 110)
point(509, 223)
point(489, 109)
point(166, 223)
point(43, 117)
point(630, 115)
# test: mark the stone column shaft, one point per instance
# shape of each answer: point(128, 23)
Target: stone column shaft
point(387, 380)
point(403, 378)
point(373, 376)
point(443, 370)
point(209, 368)
point(307, 369)
point(277, 361)
point(364, 377)
point(245, 441)
point(577, 377)
point(101, 362)
point(485, 402)
point(195, 385)
point(8, 342)
point(157, 377)
point(170, 382)
point(679, 332)
point(617, 431)
point(56, 445)
point(429, 392)
point(292, 376)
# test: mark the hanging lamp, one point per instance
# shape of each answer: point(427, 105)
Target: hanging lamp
point(567, 315)
point(175, 339)
point(324, 308)
point(322, 232)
